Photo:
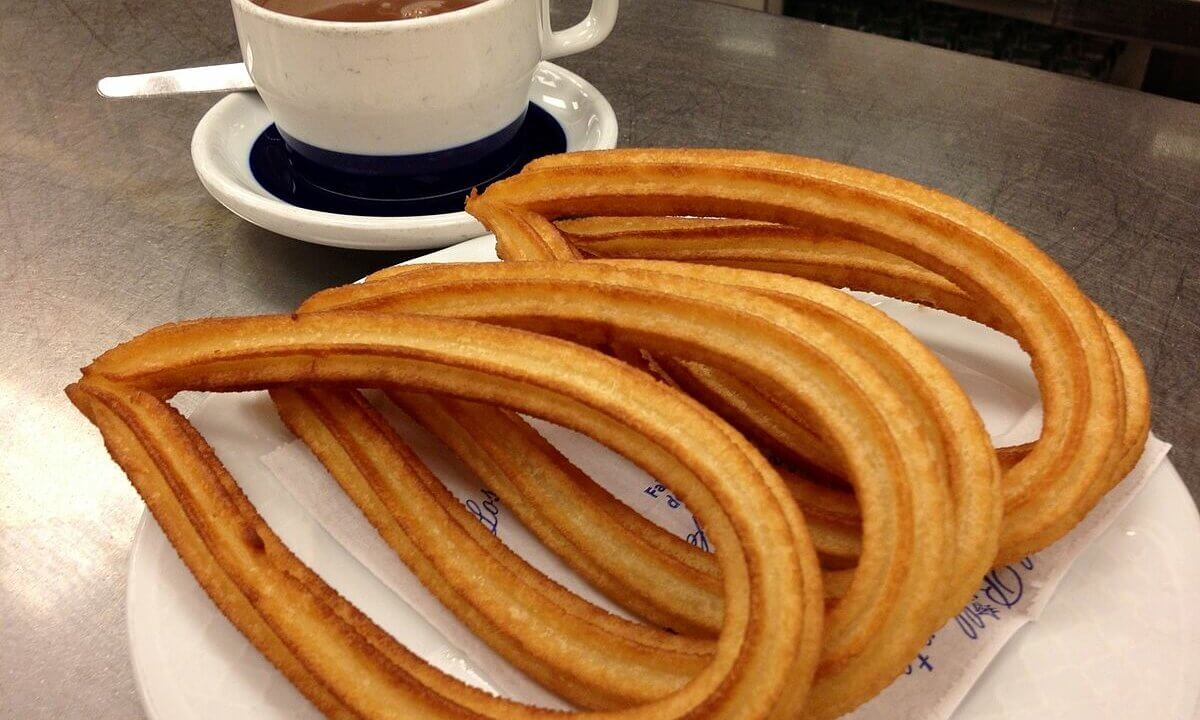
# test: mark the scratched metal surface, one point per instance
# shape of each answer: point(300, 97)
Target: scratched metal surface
point(105, 231)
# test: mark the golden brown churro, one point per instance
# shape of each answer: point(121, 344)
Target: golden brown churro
point(1007, 278)
point(769, 641)
point(840, 263)
point(961, 470)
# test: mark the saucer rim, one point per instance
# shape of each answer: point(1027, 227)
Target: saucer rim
point(259, 207)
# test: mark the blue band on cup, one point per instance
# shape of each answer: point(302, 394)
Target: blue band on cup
point(438, 162)
point(294, 180)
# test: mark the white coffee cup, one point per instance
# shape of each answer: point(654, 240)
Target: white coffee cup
point(405, 96)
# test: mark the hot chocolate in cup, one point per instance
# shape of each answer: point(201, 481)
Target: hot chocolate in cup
point(426, 96)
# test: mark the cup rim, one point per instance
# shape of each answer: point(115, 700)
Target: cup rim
point(345, 26)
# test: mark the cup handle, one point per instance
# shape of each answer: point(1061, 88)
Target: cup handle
point(584, 36)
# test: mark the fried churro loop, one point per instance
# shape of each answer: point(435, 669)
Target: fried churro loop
point(767, 645)
point(1005, 276)
point(840, 263)
point(871, 631)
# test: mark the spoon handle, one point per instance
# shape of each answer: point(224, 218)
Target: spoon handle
point(186, 81)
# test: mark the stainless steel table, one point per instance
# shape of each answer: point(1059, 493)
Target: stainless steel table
point(105, 231)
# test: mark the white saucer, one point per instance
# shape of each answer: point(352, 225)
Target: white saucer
point(221, 153)
point(1118, 640)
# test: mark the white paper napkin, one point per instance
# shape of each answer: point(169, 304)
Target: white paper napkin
point(939, 677)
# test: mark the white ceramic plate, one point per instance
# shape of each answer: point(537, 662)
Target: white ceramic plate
point(1120, 638)
point(221, 154)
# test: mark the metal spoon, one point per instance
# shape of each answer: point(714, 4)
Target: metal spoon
point(185, 81)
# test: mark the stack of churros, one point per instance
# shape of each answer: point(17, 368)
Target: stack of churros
point(685, 309)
